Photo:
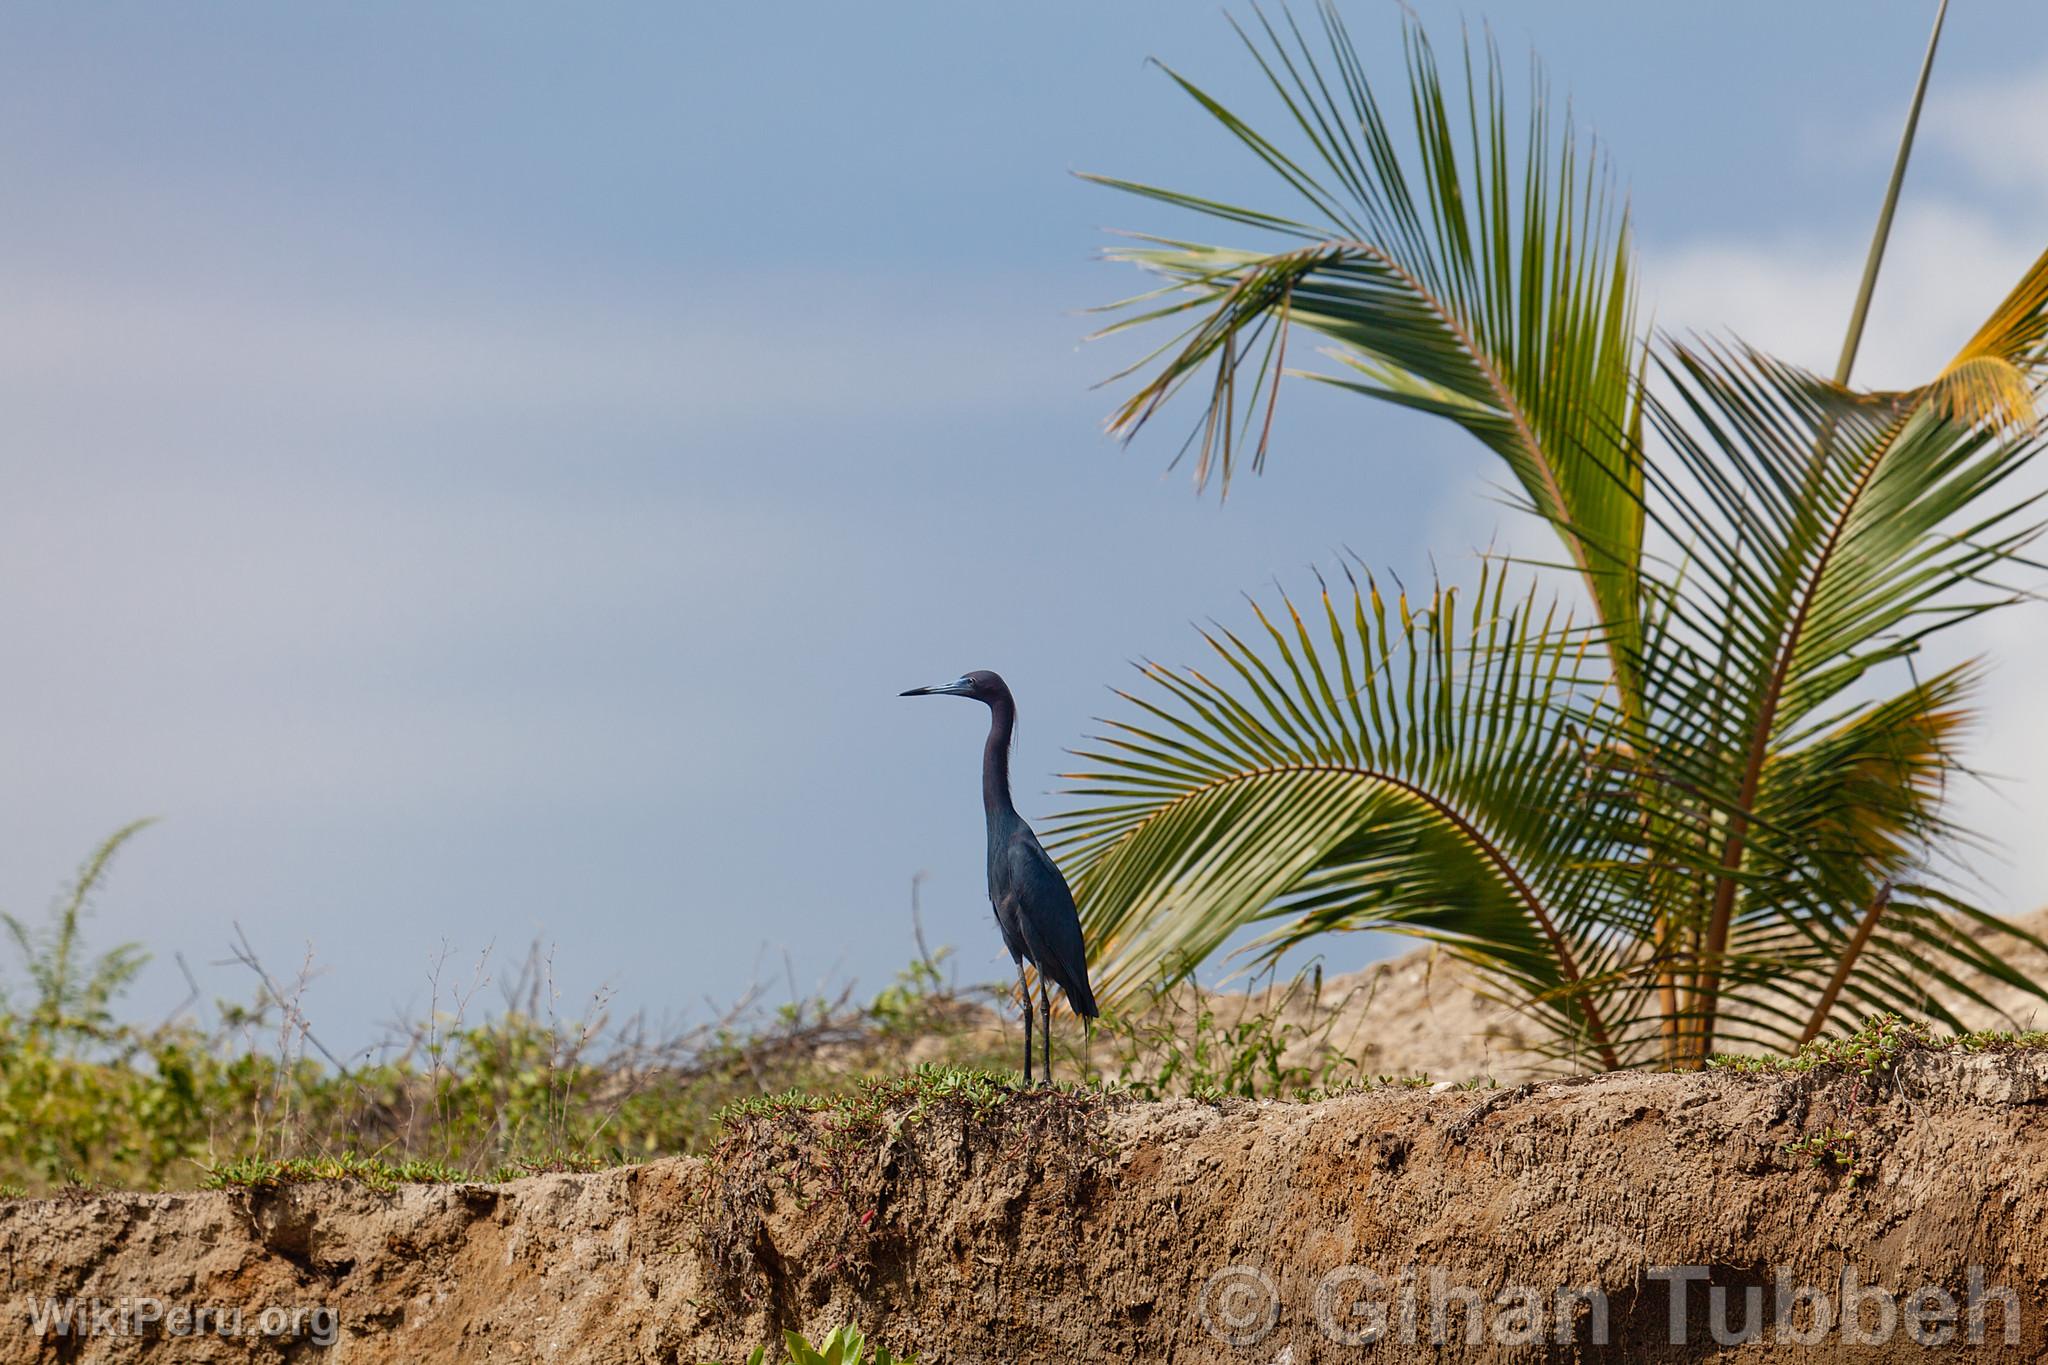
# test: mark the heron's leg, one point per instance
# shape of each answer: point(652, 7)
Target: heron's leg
point(1024, 988)
point(1045, 1006)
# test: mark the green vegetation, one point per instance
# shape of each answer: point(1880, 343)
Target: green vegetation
point(253, 1100)
point(1706, 804)
point(1834, 1149)
point(260, 1173)
point(1186, 1041)
point(1870, 1055)
point(1870, 1052)
point(87, 1098)
point(1999, 1040)
point(846, 1346)
point(88, 1101)
point(855, 1114)
point(71, 998)
point(175, 1105)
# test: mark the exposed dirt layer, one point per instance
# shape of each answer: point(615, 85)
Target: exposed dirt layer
point(1055, 1227)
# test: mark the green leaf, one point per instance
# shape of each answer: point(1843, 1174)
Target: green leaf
point(1695, 818)
point(1829, 535)
point(1428, 775)
point(1458, 268)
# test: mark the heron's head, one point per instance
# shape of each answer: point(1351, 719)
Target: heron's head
point(981, 685)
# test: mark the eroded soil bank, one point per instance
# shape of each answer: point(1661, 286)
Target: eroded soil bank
point(1047, 1227)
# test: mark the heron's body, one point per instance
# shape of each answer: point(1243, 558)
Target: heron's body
point(1034, 909)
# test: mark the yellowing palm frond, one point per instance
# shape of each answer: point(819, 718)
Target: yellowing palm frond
point(1995, 377)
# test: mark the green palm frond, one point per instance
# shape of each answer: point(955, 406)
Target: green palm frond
point(1459, 268)
point(1866, 798)
point(1433, 770)
point(1855, 829)
point(1827, 533)
point(1715, 813)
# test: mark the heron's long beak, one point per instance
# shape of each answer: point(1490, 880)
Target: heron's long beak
point(956, 688)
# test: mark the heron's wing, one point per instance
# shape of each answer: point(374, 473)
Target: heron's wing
point(1045, 913)
point(1007, 920)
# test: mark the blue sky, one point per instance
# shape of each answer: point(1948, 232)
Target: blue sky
point(483, 474)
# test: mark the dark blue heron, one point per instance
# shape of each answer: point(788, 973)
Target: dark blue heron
point(1034, 908)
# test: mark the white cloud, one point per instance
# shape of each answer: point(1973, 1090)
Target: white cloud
point(1994, 128)
point(1946, 267)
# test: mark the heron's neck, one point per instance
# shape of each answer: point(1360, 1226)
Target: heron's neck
point(995, 759)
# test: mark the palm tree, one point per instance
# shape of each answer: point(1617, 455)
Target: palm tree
point(1683, 790)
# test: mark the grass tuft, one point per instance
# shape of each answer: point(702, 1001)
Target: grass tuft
point(264, 1173)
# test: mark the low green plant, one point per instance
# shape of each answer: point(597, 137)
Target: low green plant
point(1420, 1081)
point(1873, 1051)
point(2000, 1040)
point(846, 1346)
point(1186, 1041)
point(875, 1107)
point(262, 1173)
point(1869, 1053)
point(1835, 1149)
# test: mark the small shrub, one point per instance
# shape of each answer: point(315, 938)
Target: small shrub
point(1186, 1041)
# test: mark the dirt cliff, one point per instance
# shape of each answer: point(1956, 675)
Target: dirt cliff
point(1555, 1221)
